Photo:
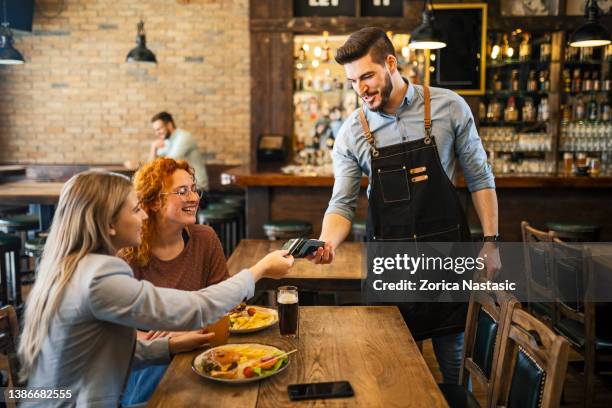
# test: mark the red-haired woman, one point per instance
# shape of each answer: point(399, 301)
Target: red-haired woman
point(175, 251)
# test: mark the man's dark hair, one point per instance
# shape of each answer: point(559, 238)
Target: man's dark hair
point(164, 117)
point(370, 40)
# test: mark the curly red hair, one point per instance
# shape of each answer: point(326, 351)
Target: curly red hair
point(149, 181)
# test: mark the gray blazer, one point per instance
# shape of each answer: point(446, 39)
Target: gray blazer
point(92, 339)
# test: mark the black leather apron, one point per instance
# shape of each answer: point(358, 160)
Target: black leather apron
point(412, 200)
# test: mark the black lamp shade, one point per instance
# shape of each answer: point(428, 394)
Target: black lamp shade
point(8, 54)
point(141, 53)
point(591, 34)
point(426, 36)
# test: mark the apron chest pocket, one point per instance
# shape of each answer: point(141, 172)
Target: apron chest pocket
point(394, 184)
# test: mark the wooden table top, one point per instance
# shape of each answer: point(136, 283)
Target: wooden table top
point(370, 347)
point(344, 273)
point(30, 192)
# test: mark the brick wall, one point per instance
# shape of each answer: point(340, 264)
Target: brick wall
point(77, 101)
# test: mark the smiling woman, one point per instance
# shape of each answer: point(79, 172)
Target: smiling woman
point(174, 253)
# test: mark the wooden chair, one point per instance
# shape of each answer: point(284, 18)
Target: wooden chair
point(577, 315)
point(9, 330)
point(487, 310)
point(532, 364)
point(537, 249)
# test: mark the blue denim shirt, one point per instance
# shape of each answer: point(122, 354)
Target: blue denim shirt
point(452, 126)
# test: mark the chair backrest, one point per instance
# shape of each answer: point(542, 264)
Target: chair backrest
point(486, 313)
point(9, 331)
point(574, 278)
point(537, 249)
point(532, 364)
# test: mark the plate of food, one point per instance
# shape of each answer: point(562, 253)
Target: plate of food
point(248, 319)
point(240, 363)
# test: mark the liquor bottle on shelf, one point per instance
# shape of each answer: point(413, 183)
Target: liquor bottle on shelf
point(544, 80)
point(497, 83)
point(605, 110)
point(596, 82)
point(545, 48)
point(566, 114)
point(494, 111)
point(525, 48)
point(592, 109)
point(571, 54)
point(587, 84)
point(579, 109)
point(532, 83)
point(496, 48)
point(506, 50)
point(543, 110)
point(529, 111)
point(567, 81)
point(586, 54)
point(482, 111)
point(514, 81)
point(510, 112)
point(576, 81)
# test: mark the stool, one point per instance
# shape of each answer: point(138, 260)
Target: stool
point(20, 225)
point(225, 222)
point(10, 289)
point(359, 230)
point(33, 249)
point(8, 209)
point(572, 231)
point(287, 229)
point(476, 232)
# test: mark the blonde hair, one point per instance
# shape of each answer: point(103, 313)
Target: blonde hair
point(149, 182)
point(89, 202)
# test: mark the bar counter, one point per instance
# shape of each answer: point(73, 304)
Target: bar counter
point(276, 196)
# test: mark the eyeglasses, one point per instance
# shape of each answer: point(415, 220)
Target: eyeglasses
point(184, 192)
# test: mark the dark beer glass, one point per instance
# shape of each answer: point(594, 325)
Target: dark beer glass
point(288, 310)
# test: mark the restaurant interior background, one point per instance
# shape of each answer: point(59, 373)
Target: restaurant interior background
point(256, 84)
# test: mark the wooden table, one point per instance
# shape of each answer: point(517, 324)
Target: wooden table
point(345, 273)
point(42, 193)
point(11, 170)
point(370, 347)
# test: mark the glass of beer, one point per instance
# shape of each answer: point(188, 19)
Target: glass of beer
point(288, 311)
point(221, 330)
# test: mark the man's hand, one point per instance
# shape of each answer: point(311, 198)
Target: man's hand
point(324, 255)
point(490, 254)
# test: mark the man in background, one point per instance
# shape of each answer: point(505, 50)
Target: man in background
point(177, 144)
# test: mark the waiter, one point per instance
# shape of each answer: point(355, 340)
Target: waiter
point(408, 139)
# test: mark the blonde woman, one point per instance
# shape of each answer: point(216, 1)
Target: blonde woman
point(81, 313)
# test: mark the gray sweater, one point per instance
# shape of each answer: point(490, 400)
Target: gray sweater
point(92, 339)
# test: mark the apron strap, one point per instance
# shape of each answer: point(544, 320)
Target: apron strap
point(367, 133)
point(427, 119)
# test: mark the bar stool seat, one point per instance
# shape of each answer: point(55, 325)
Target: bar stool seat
point(19, 222)
point(359, 230)
point(35, 246)
point(225, 221)
point(234, 200)
point(575, 231)
point(10, 285)
point(286, 229)
point(8, 209)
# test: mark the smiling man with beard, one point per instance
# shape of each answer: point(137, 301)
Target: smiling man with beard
point(408, 140)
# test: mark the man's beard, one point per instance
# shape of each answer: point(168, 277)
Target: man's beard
point(385, 94)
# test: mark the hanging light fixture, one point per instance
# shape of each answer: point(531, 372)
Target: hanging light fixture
point(426, 36)
point(141, 53)
point(591, 33)
point(8, 54)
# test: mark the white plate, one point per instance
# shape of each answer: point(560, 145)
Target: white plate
point(256, 329)
point(197, 363)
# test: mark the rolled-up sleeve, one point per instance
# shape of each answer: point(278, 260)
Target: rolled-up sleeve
point(347, 178)
point(468, 147)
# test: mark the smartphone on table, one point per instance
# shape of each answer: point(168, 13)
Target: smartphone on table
point(334, 389)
